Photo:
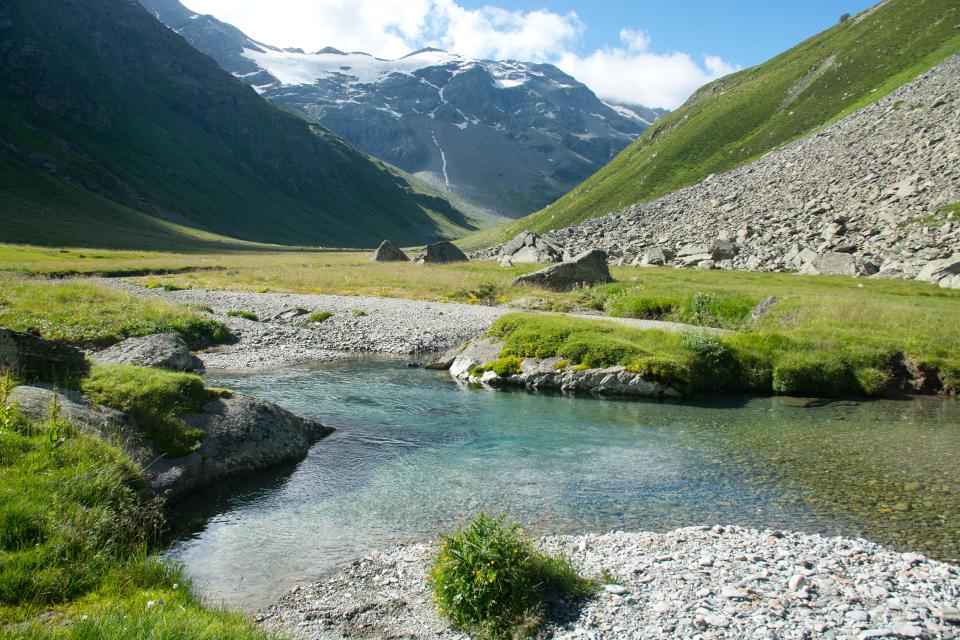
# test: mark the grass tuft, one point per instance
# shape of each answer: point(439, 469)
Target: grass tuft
point(490, 581)
point(154, 398)
point(246, 315)
point(319, 316)
point(75, 547)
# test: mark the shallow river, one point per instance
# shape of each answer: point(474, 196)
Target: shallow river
point(415, 453)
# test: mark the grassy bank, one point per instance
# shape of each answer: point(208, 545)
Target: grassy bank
point(90, 315)
point(77, 539)
point(756, 361)
point(834, 321)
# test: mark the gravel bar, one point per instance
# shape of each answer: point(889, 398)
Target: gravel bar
point(282, 336)
point(698, 583)
point(359, 324)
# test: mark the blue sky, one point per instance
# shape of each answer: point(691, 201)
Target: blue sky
point(642, 52)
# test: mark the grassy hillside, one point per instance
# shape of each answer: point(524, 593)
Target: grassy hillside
point(742, 116)
point(112, 127)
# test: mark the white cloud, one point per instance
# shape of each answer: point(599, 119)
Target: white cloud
point(629, 72)
point(634, 74)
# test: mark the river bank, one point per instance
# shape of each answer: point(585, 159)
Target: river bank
point(696, 582)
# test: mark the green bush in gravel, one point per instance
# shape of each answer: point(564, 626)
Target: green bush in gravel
point(488, 580)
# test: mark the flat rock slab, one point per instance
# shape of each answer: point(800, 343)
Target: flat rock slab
point(34, 402)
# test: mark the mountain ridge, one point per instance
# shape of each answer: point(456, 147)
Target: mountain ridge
point(505, 136)
point(119, 114)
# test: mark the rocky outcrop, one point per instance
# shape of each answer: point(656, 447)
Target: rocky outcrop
point(473, 354)
point(35, 403)
point(389, 252)
point(588, 268)
point(34, 359)
point(876, 186)
point(243, 435)
point(440, 252)
point(161, 350)
point(530, 248)
point(834, 263)
point(939, 269)
point(554, 374)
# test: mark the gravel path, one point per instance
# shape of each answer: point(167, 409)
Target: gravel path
point(282, 336)
point(697, 583)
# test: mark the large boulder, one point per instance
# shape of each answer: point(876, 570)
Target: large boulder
point(389, 252)
point(937, 270)
point(34, 359)
point(243, 435)
point(530, 248)
point(440, 252)
point(716, 250)
point(834, 263)
point(656, 257)
point(161, 350)
point(950, 282)
point(445, 360)
point(587, 268)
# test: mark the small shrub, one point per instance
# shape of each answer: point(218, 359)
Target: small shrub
point(713, 364)
point(486, 293)
point(561, 364)
point(360, 313)
point(503, 367)
point(814, 374)
point(662, 370)
point(873, 381)
point(238, 313)
point(154, 398)
point(642, 306)
point(597, 350)
point(203, 308)
point(319, 316)
point(489, 581)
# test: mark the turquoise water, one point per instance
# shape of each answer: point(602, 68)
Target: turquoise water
point(416, 453)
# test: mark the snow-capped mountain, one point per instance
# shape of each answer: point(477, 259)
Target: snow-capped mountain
point(508, 137)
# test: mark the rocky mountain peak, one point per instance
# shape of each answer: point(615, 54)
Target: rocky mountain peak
point(505, 137)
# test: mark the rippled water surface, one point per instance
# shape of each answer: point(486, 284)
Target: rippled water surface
point(415, 453)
